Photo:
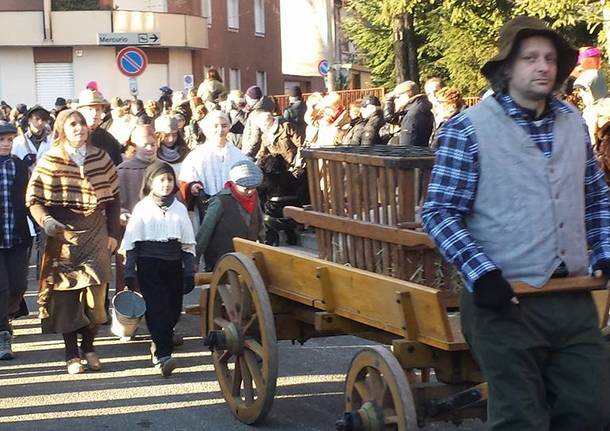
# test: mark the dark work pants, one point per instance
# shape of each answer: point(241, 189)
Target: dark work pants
point(545, 361)
point(13, 282)
point(161, 285)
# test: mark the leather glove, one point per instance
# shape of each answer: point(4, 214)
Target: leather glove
point(492, 291)
point(130, 283)
point(603, 266)
point(52, 227)
point(188, 284)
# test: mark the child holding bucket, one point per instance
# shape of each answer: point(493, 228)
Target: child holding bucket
point(160, 248)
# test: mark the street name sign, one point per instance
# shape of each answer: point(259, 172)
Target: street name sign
point(131, 61)
point(128, 39)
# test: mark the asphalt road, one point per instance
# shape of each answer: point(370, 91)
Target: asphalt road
point(128, 394)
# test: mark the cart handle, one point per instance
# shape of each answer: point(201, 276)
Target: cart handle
point(556, 285)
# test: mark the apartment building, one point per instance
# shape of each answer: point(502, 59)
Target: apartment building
point(49, 48)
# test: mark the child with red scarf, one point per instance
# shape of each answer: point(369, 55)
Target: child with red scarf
point(232, 212)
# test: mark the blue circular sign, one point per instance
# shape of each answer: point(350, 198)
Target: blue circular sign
point(132, 61)
point(323, 67)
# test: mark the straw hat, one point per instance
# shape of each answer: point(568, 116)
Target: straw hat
point(91, 98)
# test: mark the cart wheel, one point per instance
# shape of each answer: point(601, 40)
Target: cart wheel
point(377, 394)
point(242, 338)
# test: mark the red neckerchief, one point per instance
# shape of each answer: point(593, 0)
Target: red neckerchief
point(247, 202)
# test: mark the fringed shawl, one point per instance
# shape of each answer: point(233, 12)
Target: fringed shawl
point(58, 181)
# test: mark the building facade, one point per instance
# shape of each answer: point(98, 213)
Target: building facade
point(311, 34)
point(245, 43)
point(48, 48)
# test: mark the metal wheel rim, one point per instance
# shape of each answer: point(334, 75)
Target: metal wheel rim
point(248, 386)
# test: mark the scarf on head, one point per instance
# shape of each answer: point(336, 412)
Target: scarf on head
point(247, 202)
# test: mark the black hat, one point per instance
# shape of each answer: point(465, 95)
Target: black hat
point(370, 100)
point(21, 108)
point(60, 101)
point(295, 91)
point(37, 108)
point(153, 170)
point(7, 128)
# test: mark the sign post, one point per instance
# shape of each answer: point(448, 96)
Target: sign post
point(188, 81)
point(132, 62)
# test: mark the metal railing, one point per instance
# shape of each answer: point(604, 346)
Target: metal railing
point(349, 96)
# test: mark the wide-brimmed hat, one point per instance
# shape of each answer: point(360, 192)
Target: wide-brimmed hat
point(91, 98)
point(245, 173)
point(525, 26)
point(37, 108)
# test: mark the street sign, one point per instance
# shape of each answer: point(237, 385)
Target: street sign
point(133, 86)
point(132, 61)
point(129, 39)
point(188, 81)
point(323, 67)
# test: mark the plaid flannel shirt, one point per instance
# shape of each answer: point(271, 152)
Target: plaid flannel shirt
point(453, 188)
point(7, 216)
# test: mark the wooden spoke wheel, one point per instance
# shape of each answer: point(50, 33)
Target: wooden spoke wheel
point(245, 343)
point(377, 394)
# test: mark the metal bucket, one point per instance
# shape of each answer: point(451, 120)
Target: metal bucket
point(128, 307)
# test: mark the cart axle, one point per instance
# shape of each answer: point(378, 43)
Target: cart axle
point(367, 418)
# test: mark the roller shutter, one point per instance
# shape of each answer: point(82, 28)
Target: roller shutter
point(54, 80)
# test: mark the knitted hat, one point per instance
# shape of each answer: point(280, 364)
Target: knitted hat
point(254, 92)
point(153, 170)
point(246, 174)
point(295, 91)
point(166, 124)
point(166, 90)
point(92, 85)
point(588, 52)
point(7, 128)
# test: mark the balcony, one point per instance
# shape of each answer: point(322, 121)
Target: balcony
point(80, 28)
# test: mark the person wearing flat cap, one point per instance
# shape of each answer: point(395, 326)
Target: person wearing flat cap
point(36, 140)
point(91, 104)
point(15, 236)
point(516, 195)
point(233, 212)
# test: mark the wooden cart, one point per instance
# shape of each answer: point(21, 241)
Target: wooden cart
point(260, 294)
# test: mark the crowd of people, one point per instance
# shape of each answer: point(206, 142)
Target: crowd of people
point(164, 186)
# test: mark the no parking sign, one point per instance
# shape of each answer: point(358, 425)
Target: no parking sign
point(131, 61)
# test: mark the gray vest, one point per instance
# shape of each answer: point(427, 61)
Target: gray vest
point(529, 210)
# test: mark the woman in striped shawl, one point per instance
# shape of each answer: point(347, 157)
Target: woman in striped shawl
point(73, 195)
